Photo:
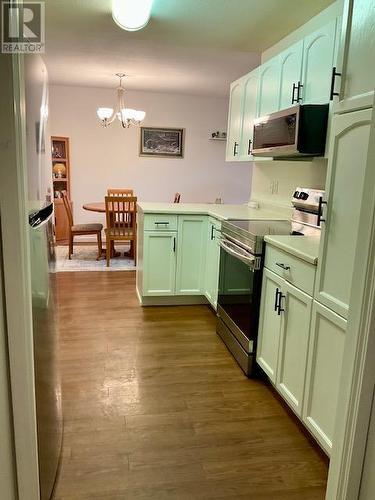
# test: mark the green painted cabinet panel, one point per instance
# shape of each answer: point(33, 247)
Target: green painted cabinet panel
point(212, 261)
point(191, 254)
point(269, 325)
point(290, 73)
point(318, 61)
point(250, 92)
point(294, 340)
point(269, 87)
point(326, 351)
point(234, 121)
point(159, 263)
point(349, 146)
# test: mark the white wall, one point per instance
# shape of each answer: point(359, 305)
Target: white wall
point(102, 158)
point(274, 182)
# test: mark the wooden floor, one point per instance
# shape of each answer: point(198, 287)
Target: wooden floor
point(156, 408)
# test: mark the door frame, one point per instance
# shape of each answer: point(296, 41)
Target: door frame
point(17, 281)
point(358, 374)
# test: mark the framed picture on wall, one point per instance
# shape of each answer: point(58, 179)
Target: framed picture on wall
point(162, 142)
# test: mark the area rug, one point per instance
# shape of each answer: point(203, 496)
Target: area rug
point(84, 259)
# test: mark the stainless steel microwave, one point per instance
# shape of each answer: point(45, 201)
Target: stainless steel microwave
point(297, 131)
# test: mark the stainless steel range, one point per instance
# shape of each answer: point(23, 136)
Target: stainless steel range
point(240, 281)
point(241, 266)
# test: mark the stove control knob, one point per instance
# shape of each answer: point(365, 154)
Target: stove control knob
point(296, 194)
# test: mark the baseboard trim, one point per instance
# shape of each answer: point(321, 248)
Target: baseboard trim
point(172, 300)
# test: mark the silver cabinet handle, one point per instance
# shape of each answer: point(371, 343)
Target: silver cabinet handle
point(283, 266)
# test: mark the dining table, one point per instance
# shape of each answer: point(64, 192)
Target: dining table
point(99, 207)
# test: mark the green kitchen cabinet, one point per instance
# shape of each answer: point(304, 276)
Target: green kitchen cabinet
point(269, 87)
point(234, 121)
point(249, 112)
point(318, 61)
point(290, 74)
point(350, 137)
point(325, 358)
point(159, 263)
point(191, 254)
point(294, 341)
point(269, 325)
point(212, 261)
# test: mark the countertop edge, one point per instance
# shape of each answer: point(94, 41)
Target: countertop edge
point(307, 257)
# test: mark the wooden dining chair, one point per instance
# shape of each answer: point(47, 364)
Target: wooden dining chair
point(177, 198)
point(121, 214)
point(119, 192)
point(81, 229)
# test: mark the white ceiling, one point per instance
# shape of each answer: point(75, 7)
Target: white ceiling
point(189, 46)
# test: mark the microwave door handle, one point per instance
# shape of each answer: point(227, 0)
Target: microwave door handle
point(228, 248)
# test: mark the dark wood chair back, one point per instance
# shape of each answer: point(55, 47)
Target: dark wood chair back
point(121, 214)
point(68, 208)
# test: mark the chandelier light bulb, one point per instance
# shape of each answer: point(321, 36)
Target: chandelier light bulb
point(104, 113)
point(131, 15)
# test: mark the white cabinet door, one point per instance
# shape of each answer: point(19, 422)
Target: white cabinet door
point(191, 254)
point(212, 262)
point(159, 263)
point(318, 61)
point(345, 180)
point(358, 53)
point(269, 87)
point(290, 74)
point(269, 325)
point(234, 121)
point(250, 92)
point(294, 341)
point(326, 350)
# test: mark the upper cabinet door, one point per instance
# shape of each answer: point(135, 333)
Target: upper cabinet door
point(269, 87)
point(318, 61)
point(250, 91)
point(234, 121)
point(357, 54)
point(346, 174)
point(290, 75)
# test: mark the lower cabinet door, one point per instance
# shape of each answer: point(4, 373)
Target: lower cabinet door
point(326, 350)
point(159, 263)
point(293, 348)
point(191, 254)
point(212, 262)
point(269, 324)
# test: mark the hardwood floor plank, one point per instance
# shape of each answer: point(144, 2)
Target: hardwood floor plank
point(156, 408)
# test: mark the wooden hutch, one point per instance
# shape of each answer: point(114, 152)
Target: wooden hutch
point(61, 182)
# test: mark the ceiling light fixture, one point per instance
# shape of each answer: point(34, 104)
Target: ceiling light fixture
point(126, 116)
point(131, 15)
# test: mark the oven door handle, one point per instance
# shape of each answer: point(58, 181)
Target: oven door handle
point(244, 257)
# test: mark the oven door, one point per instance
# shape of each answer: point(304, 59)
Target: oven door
point(239, 292)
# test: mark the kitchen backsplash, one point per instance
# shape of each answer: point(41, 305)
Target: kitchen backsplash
point(273, 182)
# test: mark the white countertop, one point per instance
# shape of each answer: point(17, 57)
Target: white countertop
point(303, 247)
point(221, 212)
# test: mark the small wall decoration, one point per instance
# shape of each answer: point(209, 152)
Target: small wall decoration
point(162, 142)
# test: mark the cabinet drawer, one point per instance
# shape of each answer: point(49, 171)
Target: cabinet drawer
point(301, 274)
point(161, 222)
